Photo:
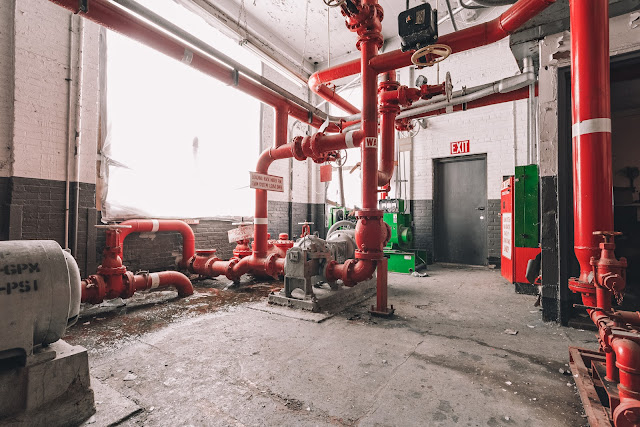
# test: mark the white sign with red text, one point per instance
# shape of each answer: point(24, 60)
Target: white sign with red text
point(261, 181)
point(460, 147)
point(244, 232)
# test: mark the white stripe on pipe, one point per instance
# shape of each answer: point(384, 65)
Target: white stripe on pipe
point(156, 225)
point(348, 139)
point(187, 57)
point(155, 280)
point(591, 126)
point(260, 221)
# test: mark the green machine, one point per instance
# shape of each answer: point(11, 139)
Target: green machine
point(402, 257)
point(337, 214)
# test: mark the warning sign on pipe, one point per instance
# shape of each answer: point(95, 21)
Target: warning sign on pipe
point(371, 142)
point(261, 181)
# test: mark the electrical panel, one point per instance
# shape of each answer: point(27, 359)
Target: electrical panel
point(391, 205)
point(418, 27)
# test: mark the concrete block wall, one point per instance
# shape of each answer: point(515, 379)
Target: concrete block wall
point(162, 251)
point(499, 131)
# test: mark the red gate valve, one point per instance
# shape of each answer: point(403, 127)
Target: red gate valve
point(306, 230)
point(609, 272)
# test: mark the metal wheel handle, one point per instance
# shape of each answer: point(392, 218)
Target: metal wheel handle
point(334, 3)
point(430, 55)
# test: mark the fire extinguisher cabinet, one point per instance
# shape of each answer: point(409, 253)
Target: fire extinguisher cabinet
point(520, 226)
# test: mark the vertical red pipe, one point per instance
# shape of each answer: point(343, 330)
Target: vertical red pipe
point(260, 225)
point(591, 131)
point(370, 127)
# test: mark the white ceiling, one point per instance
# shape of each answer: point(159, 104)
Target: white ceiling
point(298, 29)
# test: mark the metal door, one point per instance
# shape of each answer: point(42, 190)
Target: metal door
point(460, 222)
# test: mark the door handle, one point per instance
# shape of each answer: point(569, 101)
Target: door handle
point(480, 208)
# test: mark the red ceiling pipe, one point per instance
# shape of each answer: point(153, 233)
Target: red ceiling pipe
point(472, 37)
point(592, 173)
point(117, 19)
point(158, 225)
point(469, 38)
point(331, 96)
point(318, 84)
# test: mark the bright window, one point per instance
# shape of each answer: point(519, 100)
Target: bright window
point(179, 143)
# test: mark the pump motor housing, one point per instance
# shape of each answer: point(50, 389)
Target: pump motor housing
point(418, 27)
point(40, 290)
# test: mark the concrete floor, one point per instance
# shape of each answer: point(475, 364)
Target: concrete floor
point(445, 359)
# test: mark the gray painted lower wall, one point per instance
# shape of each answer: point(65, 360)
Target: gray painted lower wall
point(284, 217)
point(35, 209)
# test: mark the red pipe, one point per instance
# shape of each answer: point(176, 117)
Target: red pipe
point(331, 96)
point(158, 225)
point(592, 173)
point(117, 19)
point(387, 147)
point(496, 98)
point(163, 279)
point(319, 79)
point(469, 38)
point(472, 37)
point(96, 288)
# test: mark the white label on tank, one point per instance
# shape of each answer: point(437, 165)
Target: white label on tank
point(407, 257)
point(156, 225)
point(506, 235)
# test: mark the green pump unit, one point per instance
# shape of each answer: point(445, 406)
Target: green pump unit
point(403, 258)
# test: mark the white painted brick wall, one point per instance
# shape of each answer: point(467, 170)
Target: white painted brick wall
point(42, 91)
point(6, 85)
point(499, 131)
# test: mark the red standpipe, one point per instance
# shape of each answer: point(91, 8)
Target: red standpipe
point(261, 261)
point(602, 276)
point(115, 18)
point(161, 225)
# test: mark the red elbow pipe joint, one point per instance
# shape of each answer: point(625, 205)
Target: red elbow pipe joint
point(627, 414)
point(372, 234)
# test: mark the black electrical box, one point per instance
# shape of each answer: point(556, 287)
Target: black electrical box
point(418, 27)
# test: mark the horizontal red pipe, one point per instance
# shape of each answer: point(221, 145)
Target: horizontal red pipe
point(160, 225)
point(117, 19)
point(497, 98)
point(163, 279)
point(469, 38)
point(472, 37)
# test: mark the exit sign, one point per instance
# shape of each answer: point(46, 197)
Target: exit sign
point(460, 147)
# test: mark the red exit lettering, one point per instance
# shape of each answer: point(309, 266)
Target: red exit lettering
point(460, 147)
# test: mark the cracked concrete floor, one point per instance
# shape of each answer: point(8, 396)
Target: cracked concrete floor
point(443, 360)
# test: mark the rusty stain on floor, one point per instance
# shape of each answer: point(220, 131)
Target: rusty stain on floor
point(118, 321)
